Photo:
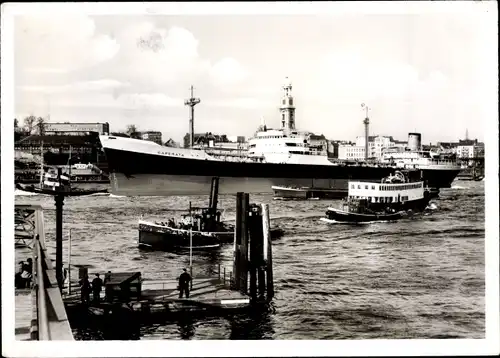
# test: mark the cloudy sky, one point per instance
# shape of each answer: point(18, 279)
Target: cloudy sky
point(428, 71)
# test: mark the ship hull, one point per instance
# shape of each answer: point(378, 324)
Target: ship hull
point(308, 193)
point(439, 178)
point(157, 170)
point(134, 173)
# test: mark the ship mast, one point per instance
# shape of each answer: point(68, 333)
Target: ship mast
point(191, 102)
point(366, 122)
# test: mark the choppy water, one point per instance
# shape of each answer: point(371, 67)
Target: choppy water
point(417, 278)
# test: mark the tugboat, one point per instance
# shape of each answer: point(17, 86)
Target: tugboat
point(391, 199)
point(200, 229)
point(196, 229)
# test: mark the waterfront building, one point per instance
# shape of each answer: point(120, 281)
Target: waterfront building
point(56, 149)
point(152, 136)
point(376, 147)
point(68, 128)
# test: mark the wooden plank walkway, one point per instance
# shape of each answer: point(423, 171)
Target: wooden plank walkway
point(24, 314)
point(163, 296)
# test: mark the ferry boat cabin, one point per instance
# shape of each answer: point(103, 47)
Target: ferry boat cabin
point(386, 192)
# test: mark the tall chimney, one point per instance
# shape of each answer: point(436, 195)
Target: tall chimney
point(366, 122)
point(191, 102)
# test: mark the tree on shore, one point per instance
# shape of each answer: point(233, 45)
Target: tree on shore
point(29, 123)
point(131, 128)
point(40, 123)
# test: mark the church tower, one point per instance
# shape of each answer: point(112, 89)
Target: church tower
point(287, 110)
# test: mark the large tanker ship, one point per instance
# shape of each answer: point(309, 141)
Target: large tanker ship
point(276, 157)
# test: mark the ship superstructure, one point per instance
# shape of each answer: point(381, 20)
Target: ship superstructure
point(439, 170)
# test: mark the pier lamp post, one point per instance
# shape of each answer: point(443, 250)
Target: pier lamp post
point(59, 199)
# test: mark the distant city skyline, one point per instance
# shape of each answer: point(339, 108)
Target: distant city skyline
point(423, 71)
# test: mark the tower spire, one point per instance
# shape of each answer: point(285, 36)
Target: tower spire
point(287, 110)
point(466, 134)
point(191, 102)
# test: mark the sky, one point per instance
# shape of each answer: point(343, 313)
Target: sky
point(433, 72)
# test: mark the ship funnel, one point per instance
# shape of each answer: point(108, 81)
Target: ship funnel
point(414, 141)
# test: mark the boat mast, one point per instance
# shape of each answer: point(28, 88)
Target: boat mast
point(41, 165)
point(191, 102)
point(190, 242)
point(69, 165)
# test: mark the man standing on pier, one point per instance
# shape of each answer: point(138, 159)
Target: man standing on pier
point(184, 280)
point(97, 287)
point(85, 289)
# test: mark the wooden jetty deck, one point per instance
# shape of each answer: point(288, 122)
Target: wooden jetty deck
point(162, 296)
point(24, 314)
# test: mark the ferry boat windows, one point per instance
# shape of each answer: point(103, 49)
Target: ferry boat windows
point(353, 186)
point(359, 186)
point(373, 187)
point(366, 186)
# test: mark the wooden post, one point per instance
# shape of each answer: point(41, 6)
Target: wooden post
point(268, 257)
point(214, 196)
point(69, 262)
point(255, 230)
point(244, 244)
point(237, 239)
point(258, 273)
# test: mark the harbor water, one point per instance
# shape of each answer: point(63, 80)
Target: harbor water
point(417, 278)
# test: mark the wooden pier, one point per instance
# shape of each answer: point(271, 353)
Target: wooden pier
point(39, 309)
point(251, 286)
point(24, 314)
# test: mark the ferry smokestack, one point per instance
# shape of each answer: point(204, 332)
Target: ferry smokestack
point(366, 122)
point(414, 141)
point(191, 102)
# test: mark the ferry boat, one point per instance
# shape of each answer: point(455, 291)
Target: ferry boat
point(279, 157)
point(389, 200)
point(438, 170)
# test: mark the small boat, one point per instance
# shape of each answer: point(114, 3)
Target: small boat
point(52, 182)
point(393, 198)
point(160, 235)
point(207, 230)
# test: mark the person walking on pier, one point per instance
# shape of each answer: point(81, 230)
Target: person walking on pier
point(97, 287)
point(85, 289)
point(184, 280)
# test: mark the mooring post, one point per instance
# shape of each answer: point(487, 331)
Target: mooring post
point(245, 244)
point(267, 250)
point(237, 239)
point(255, 230)
point(214, 196)
point(59, 198)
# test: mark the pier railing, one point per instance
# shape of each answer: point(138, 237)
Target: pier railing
point(49, 321)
